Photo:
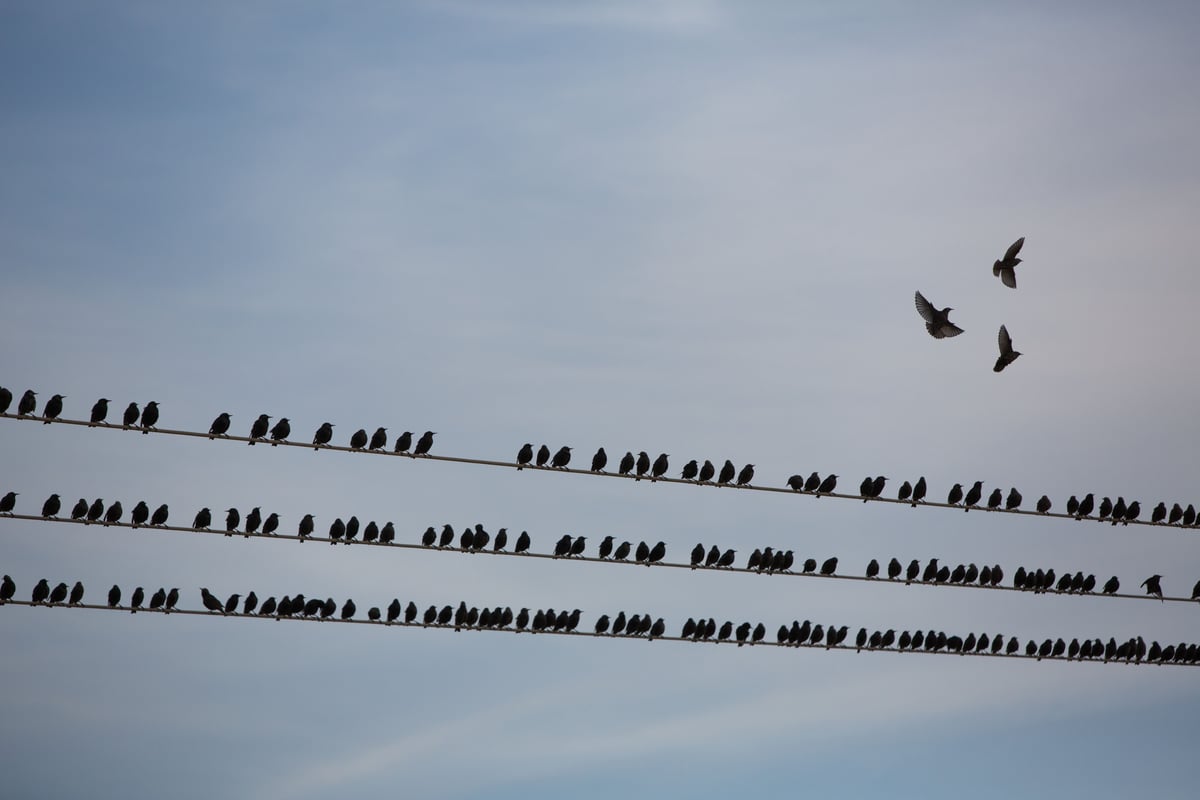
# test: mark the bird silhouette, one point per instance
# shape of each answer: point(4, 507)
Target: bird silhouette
point(707, 471)
point(140, 513)
point(5, 400)
point(424, 444)
point(59, 593)
point(523, 543)
point(994, 499)
point(323, 435)
point(378, 439)
point(826, 486)
point(1005, 268)
point(130, 417)
point(259, 428)
point(27, 403)
point(660, 466)
point(113, 515)
point(936, 322)
point(690, 470)
point(796, 483)
point(280, 432)
point(54, 407)
point(1013, 500)
point(220, 426)
point(99, 412)
point(358, 439)
point(543, 456)
point(643, 464)
point(1043, 504)
point(1153, 586)
point(746, 475)
point(1112, 585)
point(95, 510)
point(149, 417)
point(1007, 353)
point(727, 472)
point(561, 458)
point(973, 495)
point(51, 507)
point(524, 455)
point(622, 551)
point(627, 463)
point(599, 461)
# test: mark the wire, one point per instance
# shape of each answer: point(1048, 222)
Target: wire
point(570, 471)
point(592, 559)
point(665, 638)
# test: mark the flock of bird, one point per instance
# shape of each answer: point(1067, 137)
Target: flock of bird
point(797, 634)
point(639, 466)
point(939, 326)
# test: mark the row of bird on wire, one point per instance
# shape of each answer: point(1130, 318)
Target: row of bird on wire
point(641, 465)
point(476, 538)
point(797, 634)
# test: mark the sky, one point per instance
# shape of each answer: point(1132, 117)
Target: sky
point(683, 227)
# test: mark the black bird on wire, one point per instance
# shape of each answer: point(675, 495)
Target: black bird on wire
point(358, 439)
point(41, 591)
point(271, 524)
point(378, 439)
point(606, 547)
point(973, 495)
point(140, 513)
point(1086, 505)
point(51, 507)
point(827, 485)
point(919, 489)
point(59, 593)
point(135, 602)
point(727, 472)
point(305, 528)
point(281, 431)
point(524, 455)
point(599, 461)
point(561, 458)
point(113, 515)
point(1043, 504)
point(424, 444)
point(5, 400)
point(96, 510)
point(796, 483)
point(403, 442)
point(253, 521)
point(707, 470)
point(130, 417)
point(746, 475)
point(158, 599)
point(627, 463)
point(956, 495)
point(643, 464)
point(323, 435)
point(690, 470)
point(905, 491)
point(27, 404)
point(936, 322)
point(99, 412)
point(659, 468)
point(259, 428)
point(543, 456)
point(159, 517)
point(54, 407)
point(114, 596)
point(220, 426)
point(1005, 268)
point(232, 520)
point(149, 417)
point(995, 499)
point(1153, 586)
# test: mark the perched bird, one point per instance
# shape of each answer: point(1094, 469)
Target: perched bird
point(203, 519)
point(159, 517)
point(41, 591)
point(378, 439)
point(149, 416)
point(918, 493)
point(561, 458)
point(690, 470)
point(259, 428)
point(524, 455)
point(500, 543)
point(51, 507)
point(563, 546)
point(219, 426)
point(543, 456)
point(905, 491)
point(1132, 512)
point(599, 461)
point(99, 412)
point(1189, 515)
point(8, 502)
point(113, 515)
point(643, 463)
point(727, 472)
point(894, 569)
point(910, 574)
point(253, 520)
point(1153, 586)
point(281, 431)
point(27, 403)
point(5, 400)
point(622, 551)
point(1112, 585)
point(973, 495)
point(140, 513)
point(424, 443)
point(873, 569)
point(348, 609)
point(1007, 354)
point(158, 599)
point(995, 499)
point(95, 510)
point(130, 417)
point(522, 543)
point(1013, 500)
point(351, 527)
point(232, 520)
point(578, 545)
point(606, 547)
point(250, 603)
point(829, 566)
point(1005, 268)
point(826, 486)
point(54, 407)
point(323, 435)
point(358, 439)
point(602, 623)
point(746, 475)
point(727, 558)
point(114, 596)
point(1118, 510)
point(1176, 514)
point(59, 593)
point(1160, 513)
point(657, 553)
point(936, 322)
point(135, 602)
point(795, 483)
point(697, 557)
point(1043, 504)
point(627, 463)
point(232, 603)
point(659, 468)
point(271, 524)
point(210, 601)
point(1106, 508)
point(956, 494)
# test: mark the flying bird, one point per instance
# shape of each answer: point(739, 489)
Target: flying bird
point(936, 322)
point(1007, 354)
point(1005, 268)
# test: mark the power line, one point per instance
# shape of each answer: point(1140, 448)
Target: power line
point(1130, 660)
point(572, 471)
point(596, 560)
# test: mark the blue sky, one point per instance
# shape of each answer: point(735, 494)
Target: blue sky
point(692, 228)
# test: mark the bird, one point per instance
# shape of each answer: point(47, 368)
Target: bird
point(203, 519)
point(41, 591)
point(259, 428)
point(424, 443)
point(1007, 353)
point(994, 499)
point(657, 553)
point(936, 322)
point(1196, 591)
point(95, 510)
point(727, 558)
point(54, 407)
point(1189, 515)
point(795, 483)
point(210, 601)
point(1132, 512)
point(1106, 508)
point(378, 439)
point(918, 492)
point(524, 455)
point(99, 412)
point(627, 463)
point(140, 513)
point(659, 468)
point(114, 596)
point(606, 547)
point(643, 464)
point(746, 475)
point(1005, 268)
point(1153, 586)
point(27, 403)
point(522, 543)
point(1118, 510)
point(51, 507)
point(910, 574)
point(561, 458)
point(149, 416)
point(973, 495)
point(113, 515)
point(873, 569)
point(707, 470)
point(348, 609)
point(894, 569)
point(1112, 585)
point(956, 494)
point(130, 417)
point(690, 470)
point(271, 524)
point(250, 603)
point(281, 431)
point(500, 543)
point(358, 439)
point(231, 603)
point(1160, 513)
point(159, 517)
point(602, 624)
point(5, 400)
point(219, 426)
point(1043, 504)
point(727, 472)
point(1176, 514)
point(905, 491)
point(8, 502)
point(323, 435)
point(563, 546)
point(232, 519)
point(578, 545)
point(351, 527)
point(58, 593)
point(826, 486)
point(829, 566)
point(135, 602)
point(622, 551)
point(599, 461)
point(158, 599)
point(1013, 500)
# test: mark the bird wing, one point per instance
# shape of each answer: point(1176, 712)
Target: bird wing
point(1005, 341)
point(1008, 276)
point(924, 309)
point(947, 330)
point(1013, 249)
